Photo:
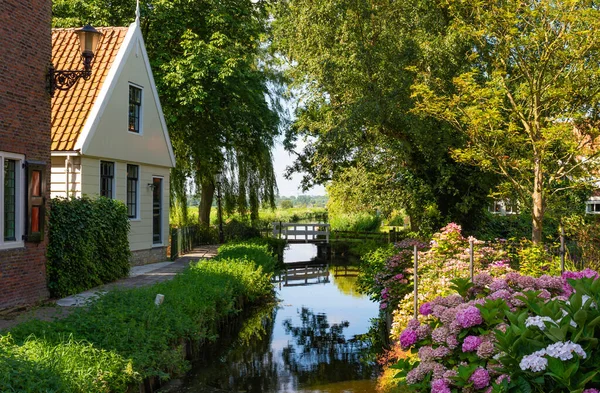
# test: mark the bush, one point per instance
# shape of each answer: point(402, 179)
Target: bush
point(88, 244)
point(123, 337)
point(253, 251)
point(488, 337)
point(361, 222)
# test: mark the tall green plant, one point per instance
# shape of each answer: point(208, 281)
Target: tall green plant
point(88, 244)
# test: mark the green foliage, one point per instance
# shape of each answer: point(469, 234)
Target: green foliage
point(259, 252)
point(123, 337)
point(575, 321)
point(88, 244)
point(535, 261)
point(349, 61)
point(65, 366)
point(526, 118)
point(361, 222)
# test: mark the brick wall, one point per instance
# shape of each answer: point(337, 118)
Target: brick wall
point(25, 52)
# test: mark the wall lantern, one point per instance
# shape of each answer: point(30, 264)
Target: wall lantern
point(65, 79)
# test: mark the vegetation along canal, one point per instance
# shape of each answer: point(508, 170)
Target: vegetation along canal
point(312, 341)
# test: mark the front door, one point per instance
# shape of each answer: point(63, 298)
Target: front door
point(157, 210)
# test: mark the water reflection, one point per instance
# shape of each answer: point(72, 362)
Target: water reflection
point(320, 353)
point(307, 344)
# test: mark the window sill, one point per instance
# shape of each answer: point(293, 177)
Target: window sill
point(135, 219)
point(12, 246)
point(135, 133)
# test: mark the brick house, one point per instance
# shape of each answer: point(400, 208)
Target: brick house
point(25, 53)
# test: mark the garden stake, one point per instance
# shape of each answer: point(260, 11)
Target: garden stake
point(416, 279)
point(562, 249)
point(471, 257)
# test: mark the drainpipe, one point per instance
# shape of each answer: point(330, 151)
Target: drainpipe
point(67, 164)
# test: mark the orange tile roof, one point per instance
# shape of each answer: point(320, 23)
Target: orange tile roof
point(71, 108)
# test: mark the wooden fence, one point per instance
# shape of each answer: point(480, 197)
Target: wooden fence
point(183, 240)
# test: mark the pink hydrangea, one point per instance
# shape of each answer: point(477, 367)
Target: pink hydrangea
point(592, 390)
point(440, 386)
point(407, 338)
point(498, 284)
point(413, 324)
point(469, 317)
point(486, 350)
point(426, 309)
point(471, 343)
point(480, 378)
point(482, 280)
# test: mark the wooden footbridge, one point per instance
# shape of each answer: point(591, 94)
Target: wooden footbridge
point(301, 233)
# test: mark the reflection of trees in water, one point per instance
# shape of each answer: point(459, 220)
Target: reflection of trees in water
point(345, 279)
point(245, 361)
point(321, 353)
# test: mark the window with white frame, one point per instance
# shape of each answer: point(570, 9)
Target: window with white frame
point(503, 207)
point(133, 180)
point(11, 200)
point(135, 109)
point(592, 206)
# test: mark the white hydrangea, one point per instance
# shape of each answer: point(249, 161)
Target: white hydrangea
point(561, 350)
point(538, 321)
point(564, 351)
point(534, 362)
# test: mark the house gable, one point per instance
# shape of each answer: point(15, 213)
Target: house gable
point(105, 133)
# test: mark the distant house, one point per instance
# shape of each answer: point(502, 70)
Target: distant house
point(109, 135)
point(24, 149)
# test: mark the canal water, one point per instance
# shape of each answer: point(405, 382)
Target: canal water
point(312, 341)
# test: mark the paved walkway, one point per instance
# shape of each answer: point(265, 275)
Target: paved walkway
point(139, 276)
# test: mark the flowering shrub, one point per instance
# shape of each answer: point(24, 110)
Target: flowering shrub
point(448, 258)
point(552, 345)
point(459, 341)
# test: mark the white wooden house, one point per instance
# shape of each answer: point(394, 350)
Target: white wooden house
point(109, 135)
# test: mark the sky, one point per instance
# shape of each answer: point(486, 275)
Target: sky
point(281, 160)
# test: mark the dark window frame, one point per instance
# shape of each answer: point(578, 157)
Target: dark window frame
point(107, 179)
point(135, 109)
point(133, 181)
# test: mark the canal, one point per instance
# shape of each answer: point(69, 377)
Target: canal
point(314, 340)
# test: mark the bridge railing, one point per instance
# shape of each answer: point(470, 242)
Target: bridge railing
point(301, 232)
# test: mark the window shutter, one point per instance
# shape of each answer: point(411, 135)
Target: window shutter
point(36, 201)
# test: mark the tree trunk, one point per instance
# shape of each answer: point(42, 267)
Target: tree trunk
point(206, 199)
point(537, 213)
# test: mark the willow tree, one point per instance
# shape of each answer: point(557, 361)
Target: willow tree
point(212, 80)
point(529, 102)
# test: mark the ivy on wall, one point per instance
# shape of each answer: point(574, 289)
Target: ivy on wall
point(88, 244)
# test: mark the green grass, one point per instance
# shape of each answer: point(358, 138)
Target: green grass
point(123, 337)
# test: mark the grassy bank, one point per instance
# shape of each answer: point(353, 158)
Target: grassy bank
point(123, 337)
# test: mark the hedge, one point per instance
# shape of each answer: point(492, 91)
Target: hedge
point(88, 244)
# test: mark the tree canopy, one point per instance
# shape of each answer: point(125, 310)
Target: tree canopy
point(349, 62)
point(528, 100)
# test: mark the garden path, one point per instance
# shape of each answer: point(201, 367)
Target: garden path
point(139, 276)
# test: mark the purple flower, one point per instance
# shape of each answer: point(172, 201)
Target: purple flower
point(486, 350)
point(591, 390)
point(502, 378)
point(482, 279)
point(413, 324)
point(407, 338)
point(471, 343)
point(383, 306)
point(471, 316)
point(498, 284)
point(480, 378)
point(440, 386)
point(426, 309)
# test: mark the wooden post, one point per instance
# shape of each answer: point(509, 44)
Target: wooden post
point(562, 248)
point(471, 259)
point(416, 280)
